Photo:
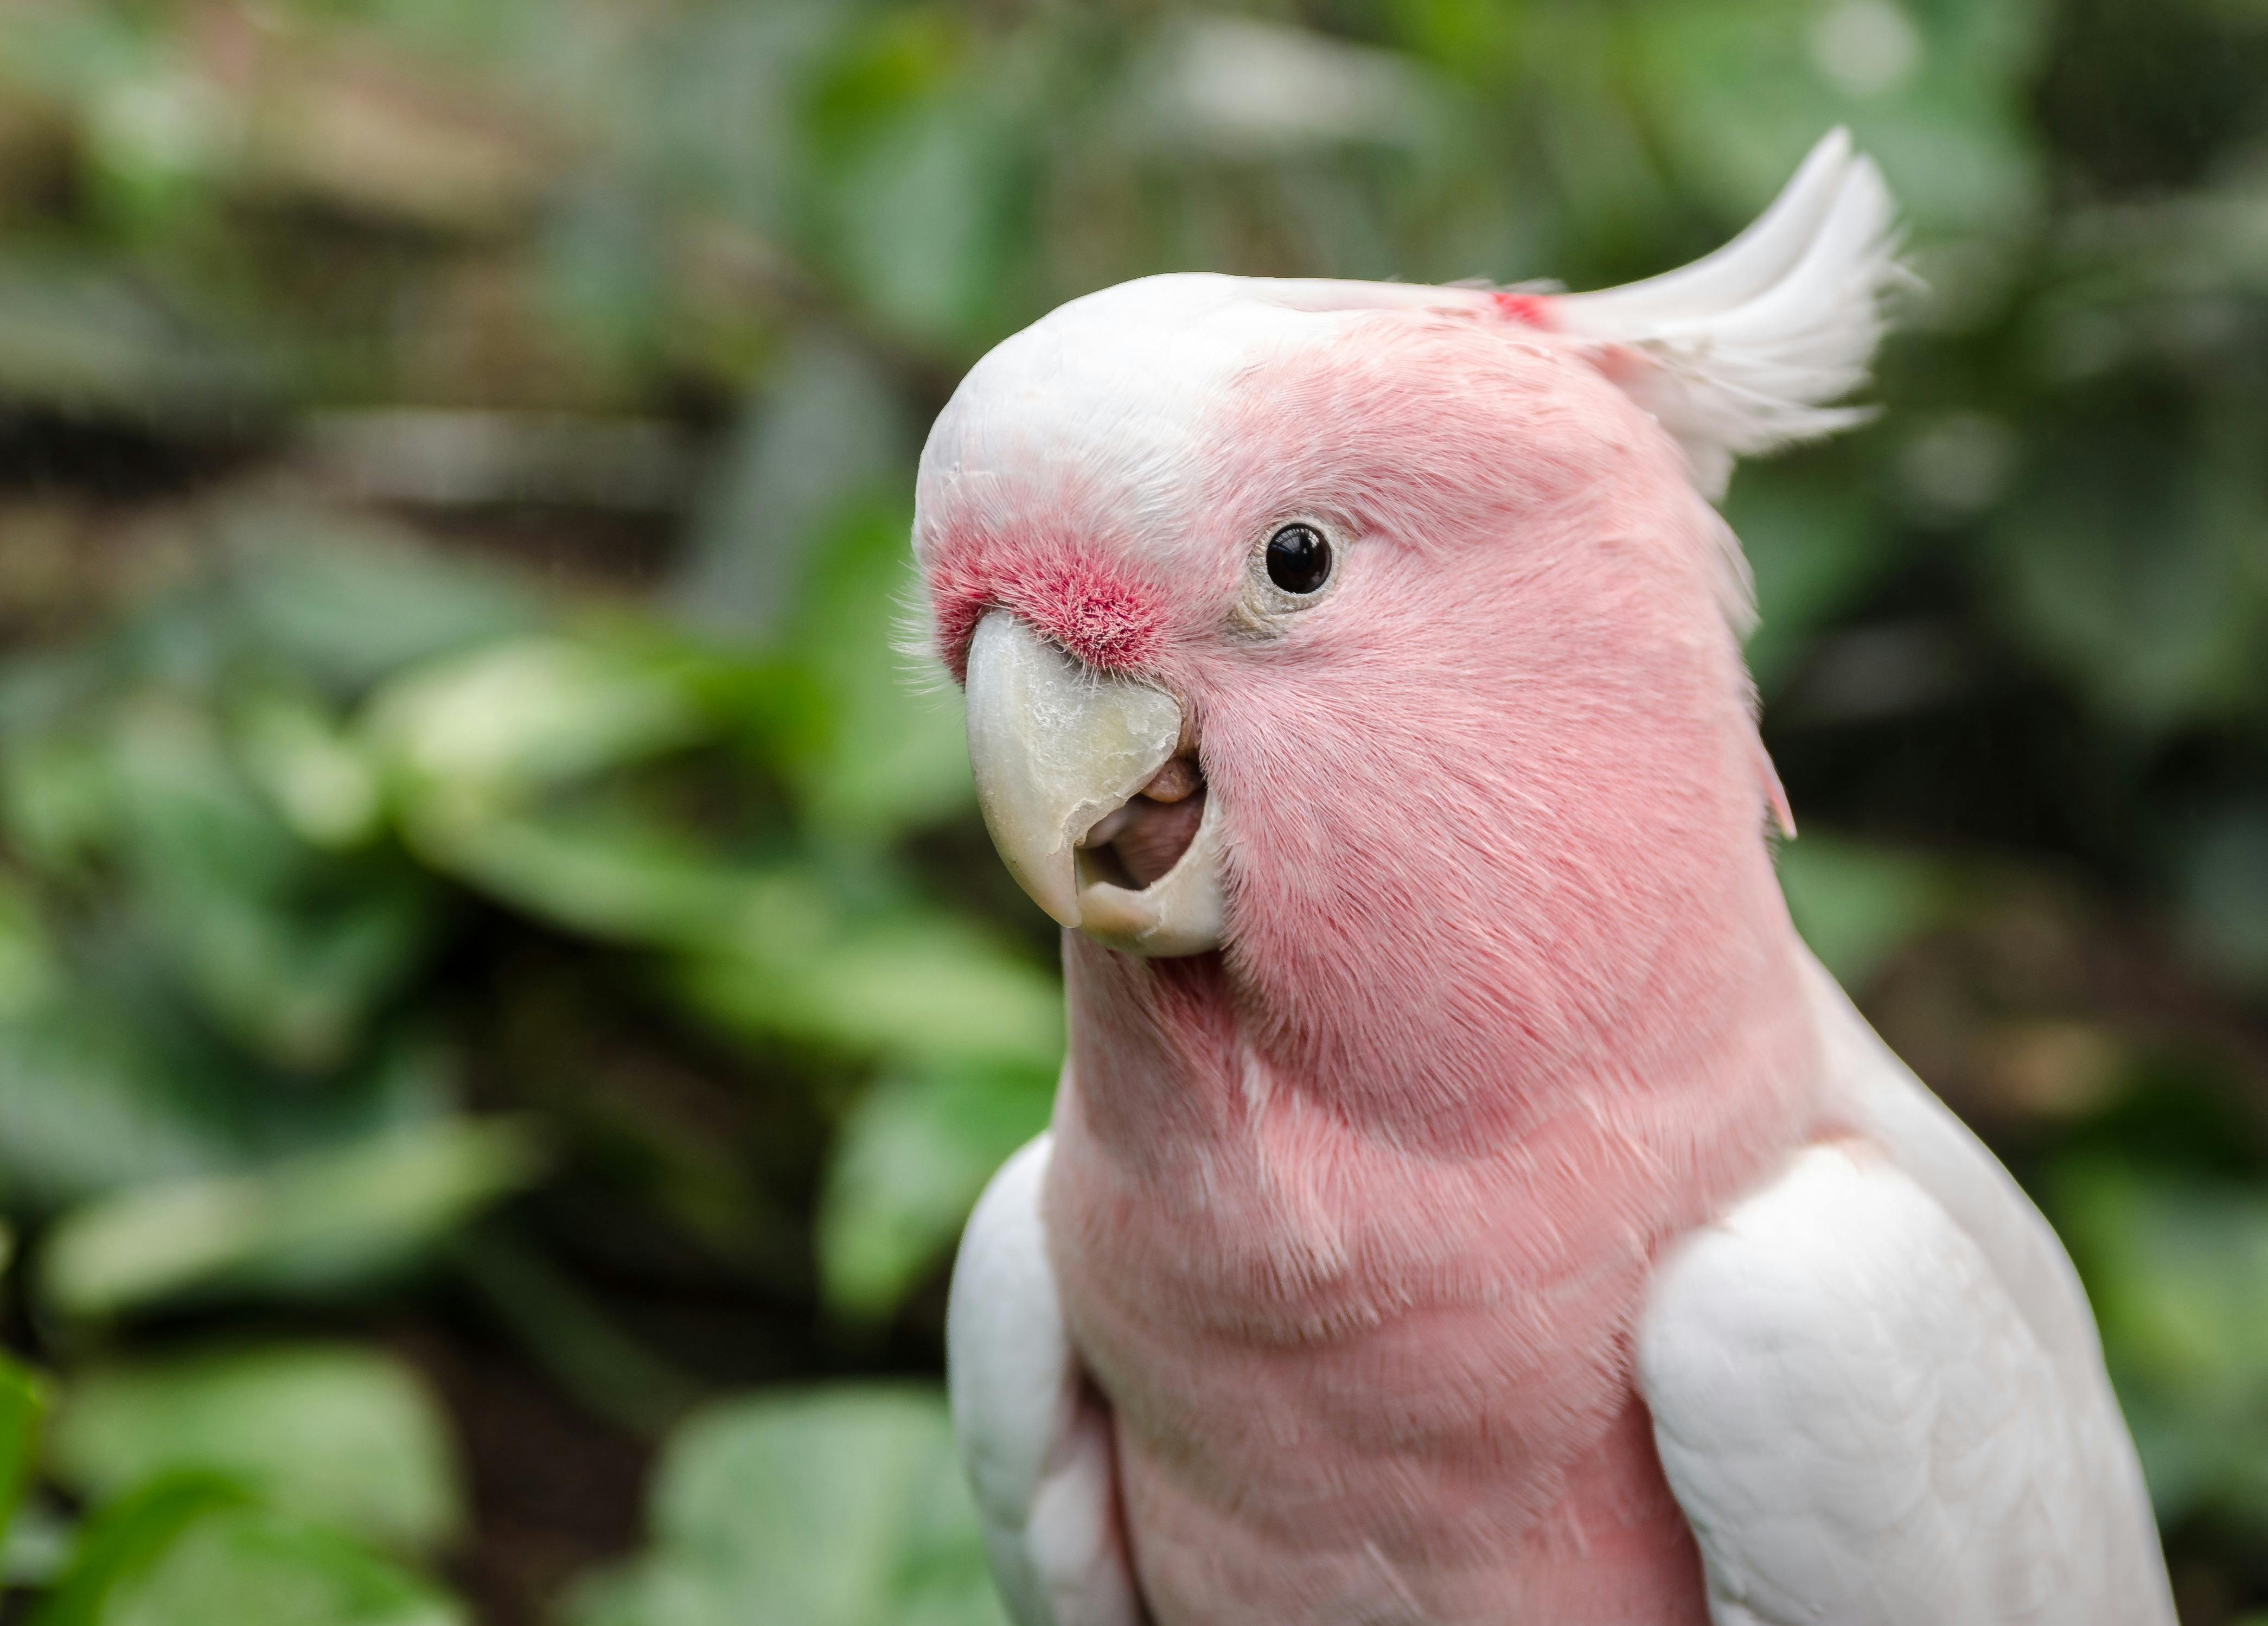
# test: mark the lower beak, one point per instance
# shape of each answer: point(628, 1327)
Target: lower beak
point(1056, 747)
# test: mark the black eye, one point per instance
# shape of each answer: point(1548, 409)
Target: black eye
point(1299, 559)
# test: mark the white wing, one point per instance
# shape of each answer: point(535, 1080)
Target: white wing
point(1878, 1394)
point(1034, 1436)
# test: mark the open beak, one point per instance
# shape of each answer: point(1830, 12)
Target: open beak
point(1093, 806)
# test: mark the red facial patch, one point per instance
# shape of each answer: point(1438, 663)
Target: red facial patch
point(1530, 310)
point(1093, 611)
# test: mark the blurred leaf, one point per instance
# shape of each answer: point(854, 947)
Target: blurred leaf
point(340, 1434)
point(1244, 88)
point(311, 1223)
point(89, 342)
point(2222, 866)
point(24, 1397)
point(319, 781)
point(834, 1507)
point(85, 1107)
point(1812, 550)
point(2134, 565)
point(2177, 1268)
point(1857, 904)
point(1933, 89)
point(31, 979)
point(349, 599)
point(598, 873)
point(58, 798)
point(907, 1165)
point(894, 756)
point(924, 219)
point(474, 734)
point(38, 1545)
point(289, 964)
point(916, 195)
point(917, 985)
point(192, 1551)
point(130, 1539)
point(825, 430)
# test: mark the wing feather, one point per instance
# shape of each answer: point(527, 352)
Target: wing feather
point(1865, 1428)
point(1034, 1438)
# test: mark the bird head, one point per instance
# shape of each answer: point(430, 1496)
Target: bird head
point(1359, 631)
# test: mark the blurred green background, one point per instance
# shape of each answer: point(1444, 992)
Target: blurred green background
point(504, 1000)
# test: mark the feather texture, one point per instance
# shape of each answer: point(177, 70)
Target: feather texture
point(1036, 1443)
point(1877, 1393)
point(1747, 350)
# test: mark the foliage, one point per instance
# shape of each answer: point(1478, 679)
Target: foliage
point(834, 1508)
point(477, 888)
point(342, 1434)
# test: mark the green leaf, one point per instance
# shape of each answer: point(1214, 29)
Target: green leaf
point(30, 977)
point(599, 873)
point(2178, 1269)
point(2134, 566)
point(38, 1545)
point(1857, 904)
point(832, 1507)
point(1737, 90)
point(907, 1165)
point(825, 431)
point(85, 1107)
point(319, 780)
point(90, 340)
point(195, 1550)
point(469, 737)
point(910, 984)
point(312, 1223)
point(894, 755)
point(24, 1397)
point(345, 1435)
point(1811, 548)
point(131, 1539)
point(350, 601)
point(287, 949)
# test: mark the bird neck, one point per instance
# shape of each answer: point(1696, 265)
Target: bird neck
point(1455, 1048)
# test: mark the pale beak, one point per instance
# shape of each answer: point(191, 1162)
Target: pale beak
point(1056, 747)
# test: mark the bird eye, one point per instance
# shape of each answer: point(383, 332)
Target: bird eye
point(1299, 559)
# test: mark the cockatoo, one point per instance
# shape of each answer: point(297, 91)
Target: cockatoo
point(1466, 1200)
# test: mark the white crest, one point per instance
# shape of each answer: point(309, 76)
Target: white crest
point(1749, 349)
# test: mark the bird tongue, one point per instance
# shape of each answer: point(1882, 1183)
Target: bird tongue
point(1148, 836)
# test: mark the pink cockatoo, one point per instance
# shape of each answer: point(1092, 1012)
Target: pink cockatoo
point(1467, 1200)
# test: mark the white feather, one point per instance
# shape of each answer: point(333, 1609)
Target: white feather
point(1877, 1393)
point(1749, 349)
point(1034, 1441)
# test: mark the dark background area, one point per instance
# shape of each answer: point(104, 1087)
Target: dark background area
point(504, 998)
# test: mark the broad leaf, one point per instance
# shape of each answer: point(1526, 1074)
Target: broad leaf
point(833, 1507)
point(315, 1222)
point(908, 1166)
point(198, 1551)
point(339, 1433)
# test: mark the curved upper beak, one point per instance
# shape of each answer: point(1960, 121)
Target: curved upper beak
point(1056, 748)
